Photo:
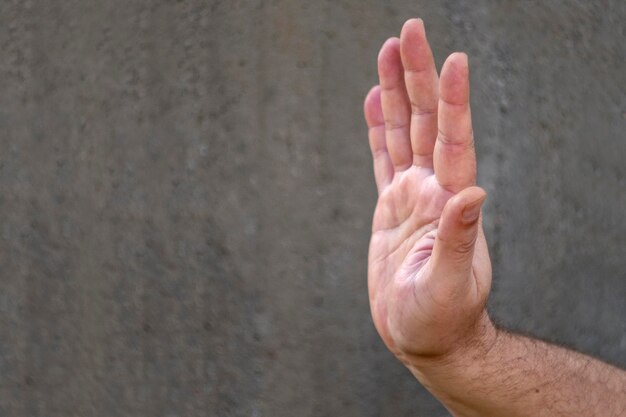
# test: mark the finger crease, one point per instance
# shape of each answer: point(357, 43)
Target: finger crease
point(417, 70)
point(463, 104)
point(379, 152)
point(391, 126)
point(441, 137)
point(416, 111)
point(391, 88)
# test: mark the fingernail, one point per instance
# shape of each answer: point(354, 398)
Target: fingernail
point(422, 27)
point(472, 211)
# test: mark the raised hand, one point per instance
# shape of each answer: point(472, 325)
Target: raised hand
point(429, 271)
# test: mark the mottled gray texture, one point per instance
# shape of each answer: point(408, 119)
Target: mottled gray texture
point(186, 192)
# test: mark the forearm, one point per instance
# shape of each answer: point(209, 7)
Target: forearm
point(511, 375)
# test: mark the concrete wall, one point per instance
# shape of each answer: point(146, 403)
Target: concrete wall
point(186, 192)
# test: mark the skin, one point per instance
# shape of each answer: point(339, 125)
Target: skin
point(429, 272)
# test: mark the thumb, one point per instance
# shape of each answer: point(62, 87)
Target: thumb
point(456, 235)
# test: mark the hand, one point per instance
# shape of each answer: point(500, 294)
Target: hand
point(429, 271)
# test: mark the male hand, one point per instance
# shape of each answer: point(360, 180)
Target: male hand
point(429, 271)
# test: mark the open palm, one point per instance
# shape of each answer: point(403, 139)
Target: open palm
point(429, 271)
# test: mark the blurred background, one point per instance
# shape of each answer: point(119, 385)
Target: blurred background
point(186, 193)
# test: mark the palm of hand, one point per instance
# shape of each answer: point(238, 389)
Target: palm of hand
point(405, 223)
point(427, 286)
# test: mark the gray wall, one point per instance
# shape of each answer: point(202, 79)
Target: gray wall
point(186, 192)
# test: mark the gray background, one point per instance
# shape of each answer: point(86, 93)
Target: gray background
point(186, 192)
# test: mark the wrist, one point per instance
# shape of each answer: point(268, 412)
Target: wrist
point(476, 346)
point(472, 347)
point(447, 376)
point(465, 360)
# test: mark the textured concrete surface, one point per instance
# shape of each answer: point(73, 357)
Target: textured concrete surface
point(186, 191)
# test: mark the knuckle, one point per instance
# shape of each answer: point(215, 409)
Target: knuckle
point(465, 246)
